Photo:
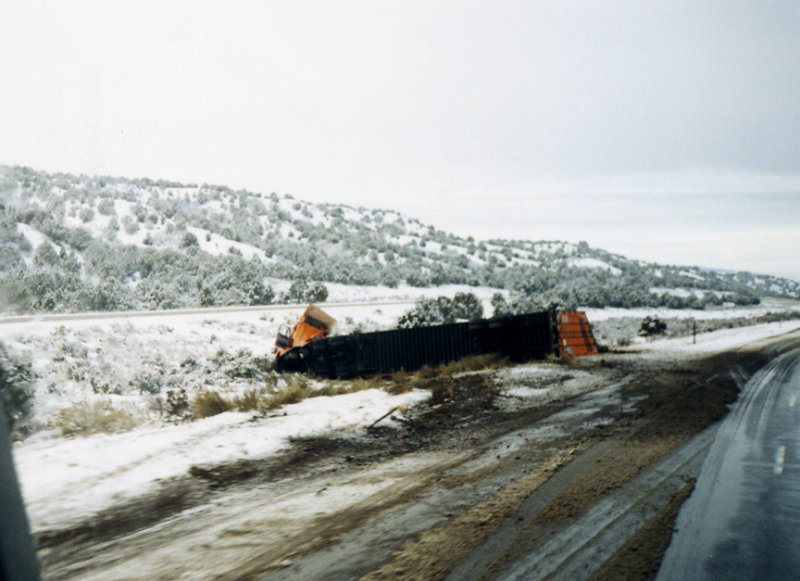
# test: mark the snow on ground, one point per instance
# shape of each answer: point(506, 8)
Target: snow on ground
point(217, 245)
point(682, 292)
point(33, 236)
point(690, 274)
point(132, 358)
point(586, 262)
point(103, 356)
point(115, 356)
point(767, 305)
point(65, 480)
point(519, 381)
point(35, 239)
point(721, 340)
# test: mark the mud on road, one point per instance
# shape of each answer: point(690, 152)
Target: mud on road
point(466, 485)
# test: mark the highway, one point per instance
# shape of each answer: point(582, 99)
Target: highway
point(202, 311)
point(743, 519)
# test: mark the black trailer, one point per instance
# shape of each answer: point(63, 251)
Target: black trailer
point(519, 337)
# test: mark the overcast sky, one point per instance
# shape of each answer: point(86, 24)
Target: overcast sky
point(667, 131)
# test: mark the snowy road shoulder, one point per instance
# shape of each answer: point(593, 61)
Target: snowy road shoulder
point(67, 480)
point(721, 340)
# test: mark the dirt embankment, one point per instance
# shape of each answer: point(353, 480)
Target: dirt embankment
point(509, 476)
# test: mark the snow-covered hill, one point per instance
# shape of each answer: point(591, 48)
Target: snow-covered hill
point(99, 243)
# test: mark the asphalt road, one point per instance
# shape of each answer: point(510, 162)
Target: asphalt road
point(743, 519)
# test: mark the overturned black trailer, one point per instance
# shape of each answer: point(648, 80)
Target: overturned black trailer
point(518, 337)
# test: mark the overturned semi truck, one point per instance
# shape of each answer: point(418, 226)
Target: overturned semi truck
point(309, 347)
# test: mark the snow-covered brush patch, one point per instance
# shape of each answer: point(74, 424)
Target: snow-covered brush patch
point(154, 368)
point(137, 367)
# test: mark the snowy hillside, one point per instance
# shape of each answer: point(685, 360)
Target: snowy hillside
point(76, 243)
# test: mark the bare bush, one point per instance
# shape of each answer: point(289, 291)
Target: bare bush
point(83, 419)
point(399, 382)
point(293, 393)
point(210, 403)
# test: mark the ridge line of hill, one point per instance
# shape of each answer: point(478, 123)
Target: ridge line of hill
point(74, 243)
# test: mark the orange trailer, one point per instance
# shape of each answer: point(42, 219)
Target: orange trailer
point(574, 334)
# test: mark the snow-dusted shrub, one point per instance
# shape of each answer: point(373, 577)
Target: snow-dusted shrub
point(418, 278)
point(189, 240)
point(111, 295)
point(106, 207)
point(140, 212)
point(147, 382)
point(425, 312)
point(442, 310)
point(467, 306)
point(177, 403)
point(86, 214)
point(83, 419)
point(389, 278)
point(46, 255)
point(500, 305)
point(301, 291)
point(73, 349)
point(316, 293)
point(111, 229)
point(652, 326)
point(130, 224)
point(745, 298)
point(16, 390)
point(295, 292)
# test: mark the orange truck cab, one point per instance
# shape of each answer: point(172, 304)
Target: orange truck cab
point(314, 324)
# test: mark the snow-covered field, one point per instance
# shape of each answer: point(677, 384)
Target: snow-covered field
point(767, 305)
point(66, 480)
point(133, 358)
point(720, 340)
point(132, 361)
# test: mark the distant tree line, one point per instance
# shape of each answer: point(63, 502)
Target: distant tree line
point(595, 289)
